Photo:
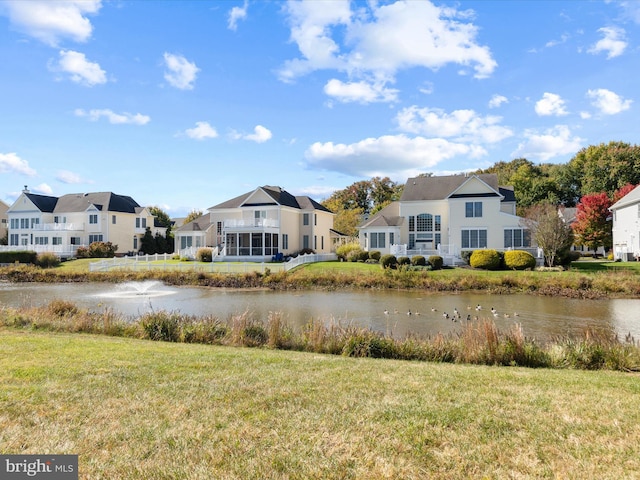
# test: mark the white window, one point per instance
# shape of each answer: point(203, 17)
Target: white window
point(95, 238)
point(285, 241)
point(305, 219)
point(377, 240)
point(473, 209)
point(474, 238)
point(93, 219)
point(517, 237)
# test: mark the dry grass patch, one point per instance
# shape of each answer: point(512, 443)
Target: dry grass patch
point(137, 409)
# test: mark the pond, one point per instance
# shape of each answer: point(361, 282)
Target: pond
point(396, 313)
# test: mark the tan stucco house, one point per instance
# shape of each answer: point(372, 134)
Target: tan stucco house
point(446, 215)
point(61, 224)
point(258, 225)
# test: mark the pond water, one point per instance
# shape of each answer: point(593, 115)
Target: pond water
point(385, 311)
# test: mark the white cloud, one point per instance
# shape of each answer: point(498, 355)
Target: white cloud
point(43, 189)
point(396, 156)
point(613, 42)
point(260, 134)
point(12, 163)
point(551, 143)
point(361, 92)
point(112, 117)
point(497, 100)
point(461, 125)
point(65, 176)
point(608, 102)
point(237, 13)
point(378, 40)
point(550, 104)
point(181, 72)
point(80, 69)
point(52, 20)
point(201, 131)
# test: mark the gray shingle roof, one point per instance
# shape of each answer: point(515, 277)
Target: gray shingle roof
point(387, 217)
point(438, 188)
point(279, 196)
point(104, 201)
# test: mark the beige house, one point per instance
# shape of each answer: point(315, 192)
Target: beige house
point(61, 224)
point(445, 216)
point(4, 220)
point(261, 224)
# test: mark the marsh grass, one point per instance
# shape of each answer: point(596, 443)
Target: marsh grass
point(479, 342)
point(135, 409)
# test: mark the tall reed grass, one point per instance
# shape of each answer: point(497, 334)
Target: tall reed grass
point(480, 342)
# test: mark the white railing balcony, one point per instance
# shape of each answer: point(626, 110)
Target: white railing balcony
point(254, 223)
point(59, 227)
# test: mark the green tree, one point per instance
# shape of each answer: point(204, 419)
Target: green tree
point(193, 214)
point(162, 218)
point(549, 231)
point(148, 243)
point(161, 244)
point(606, 167)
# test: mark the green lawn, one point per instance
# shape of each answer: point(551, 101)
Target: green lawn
point(135, 409)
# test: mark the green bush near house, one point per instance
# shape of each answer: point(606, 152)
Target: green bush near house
point(343, 250)
point(26, 256)
point(404, 261)
point(485, 259)
point(518, 260)
point(358, 256)
point(47, 260)
point(375, 255)
point(204, 254)
point(388, 261)
point(436, 262)
point(418, 261)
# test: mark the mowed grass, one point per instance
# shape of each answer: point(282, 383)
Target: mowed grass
point(135, 409)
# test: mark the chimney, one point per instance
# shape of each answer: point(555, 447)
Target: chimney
point(26, 190)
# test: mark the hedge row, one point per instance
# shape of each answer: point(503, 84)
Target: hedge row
point(510, 260)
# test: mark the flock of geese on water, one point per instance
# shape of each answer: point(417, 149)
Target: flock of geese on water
point(456, 315)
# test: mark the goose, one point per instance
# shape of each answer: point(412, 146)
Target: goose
point(478, 307)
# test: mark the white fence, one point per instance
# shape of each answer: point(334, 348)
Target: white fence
point(143, 263)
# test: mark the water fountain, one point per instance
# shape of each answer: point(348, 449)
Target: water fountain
point(147, 289)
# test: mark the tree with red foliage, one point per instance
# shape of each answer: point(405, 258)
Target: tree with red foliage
point(622, 191)
point(591, 227)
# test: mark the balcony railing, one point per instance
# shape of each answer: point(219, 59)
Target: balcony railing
point(255, 223)
point(58, 227)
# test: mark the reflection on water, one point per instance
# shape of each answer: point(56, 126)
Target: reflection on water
point(541, 317)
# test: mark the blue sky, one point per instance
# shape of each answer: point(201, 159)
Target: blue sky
point(185, 104)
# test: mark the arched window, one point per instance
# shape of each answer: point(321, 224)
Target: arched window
point(424, 223)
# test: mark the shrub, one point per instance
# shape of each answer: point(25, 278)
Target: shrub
point(519, 260)
point(161, 326)
point(388, 261)
point(26, 256)
point(62, 308)
point(404, 261)
point(357, 255)
point(343, 250)
point(204, 254)
point(47, 260)
point(97, 250)
point(375, 255)
point(485, 259)
point(418, 261)
point(436, 262)
point(466, 256)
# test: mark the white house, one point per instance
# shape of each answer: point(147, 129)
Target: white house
point(446, 215)
point(626, 226)
point(259, 225)
point(60, 225)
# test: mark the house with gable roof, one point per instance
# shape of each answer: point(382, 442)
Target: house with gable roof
point(60, 225)
point(626, 226)
point(259, 225)
point(446, 215)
